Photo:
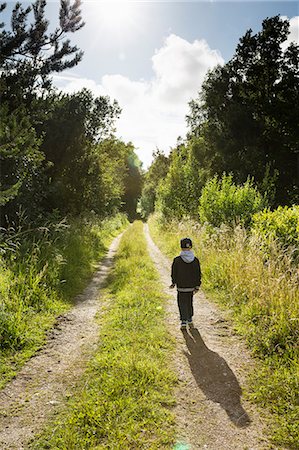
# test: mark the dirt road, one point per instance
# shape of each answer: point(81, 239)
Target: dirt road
point(211, 363)
point(48, 378)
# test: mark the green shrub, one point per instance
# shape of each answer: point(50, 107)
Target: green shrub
point(223, 202)
point(178, 194)
point(279, 227)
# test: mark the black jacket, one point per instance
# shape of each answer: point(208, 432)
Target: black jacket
point(186, 275)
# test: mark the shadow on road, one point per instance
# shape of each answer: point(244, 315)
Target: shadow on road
point(215, 378)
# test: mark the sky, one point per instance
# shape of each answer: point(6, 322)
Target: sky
point(153, 56)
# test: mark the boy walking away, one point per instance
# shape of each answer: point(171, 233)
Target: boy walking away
point(186, 275)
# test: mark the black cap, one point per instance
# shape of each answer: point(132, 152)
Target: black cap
point(186, 243)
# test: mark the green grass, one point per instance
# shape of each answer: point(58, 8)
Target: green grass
point(125, 398)
point(262, 297)
point(41, 272)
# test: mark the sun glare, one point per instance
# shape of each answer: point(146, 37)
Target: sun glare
point(119, 17)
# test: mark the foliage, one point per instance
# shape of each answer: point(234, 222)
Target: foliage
point(71, 145)
point(278, 228)
point(223, 202)
point(264, 302)
point(132, 183)
point(30, 53)
point(41, 271)
point(152, 178)
point(245, 111)
point(125, 396)
point(178, 195)
point(57, 151)
point(108, 190)
point(20, 156)
point(71, 176)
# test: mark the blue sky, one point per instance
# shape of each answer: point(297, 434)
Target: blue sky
point(153, 56)
point(221, 24)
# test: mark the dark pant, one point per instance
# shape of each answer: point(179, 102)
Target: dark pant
point(185, 303)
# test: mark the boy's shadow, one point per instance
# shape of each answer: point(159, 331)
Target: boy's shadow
point(215, 378)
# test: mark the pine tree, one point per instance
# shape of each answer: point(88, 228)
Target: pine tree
point(29, 54)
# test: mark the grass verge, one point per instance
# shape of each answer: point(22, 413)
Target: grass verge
point(263, 300)
point(41, 272)
point(125, 398)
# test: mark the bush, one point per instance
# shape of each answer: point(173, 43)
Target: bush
point(178, 194)
point(279, 227)
point(223, 202)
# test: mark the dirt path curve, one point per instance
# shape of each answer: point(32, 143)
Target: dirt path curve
point(48, 378)
point(211, 364)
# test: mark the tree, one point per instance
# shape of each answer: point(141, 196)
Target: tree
point(178, 195)
point(224, 202)
point(132, 183)
point(156, 172)
point(28, 55)
point(76, 125)
point(108, 191)
point(20, 156)
point(246, 113)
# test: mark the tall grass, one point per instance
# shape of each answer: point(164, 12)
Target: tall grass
point(41, 272)
point(263, 296)
point(125, 397)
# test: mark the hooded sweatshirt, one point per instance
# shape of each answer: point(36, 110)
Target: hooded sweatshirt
point(187, 256)
point(185, 272)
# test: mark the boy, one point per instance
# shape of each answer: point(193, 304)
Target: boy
point(186, 275)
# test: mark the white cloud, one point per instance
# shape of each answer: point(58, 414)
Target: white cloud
point(153, 112)
point(127, 92)
point(71, 84)
point(180, 68)
point(294, 31)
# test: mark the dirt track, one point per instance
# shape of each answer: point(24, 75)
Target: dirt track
point(48, 378)
point(211, 363)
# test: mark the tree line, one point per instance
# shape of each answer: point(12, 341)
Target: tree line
point(244, 123)
point(58, 152)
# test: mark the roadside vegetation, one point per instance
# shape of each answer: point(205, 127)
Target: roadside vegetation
point(261, 295)
point(65, 177)
point(125, 397)
point(41, 272)
point(232, 186)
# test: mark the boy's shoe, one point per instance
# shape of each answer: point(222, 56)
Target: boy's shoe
point(183, 325)
point(190, 324)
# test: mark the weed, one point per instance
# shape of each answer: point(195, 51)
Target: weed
point(41, 272)
point(263, 296)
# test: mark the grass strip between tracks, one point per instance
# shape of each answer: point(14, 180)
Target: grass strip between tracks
point(125, 398)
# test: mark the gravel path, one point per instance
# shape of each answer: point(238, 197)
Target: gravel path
point(47, 379)
point(211, 363)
